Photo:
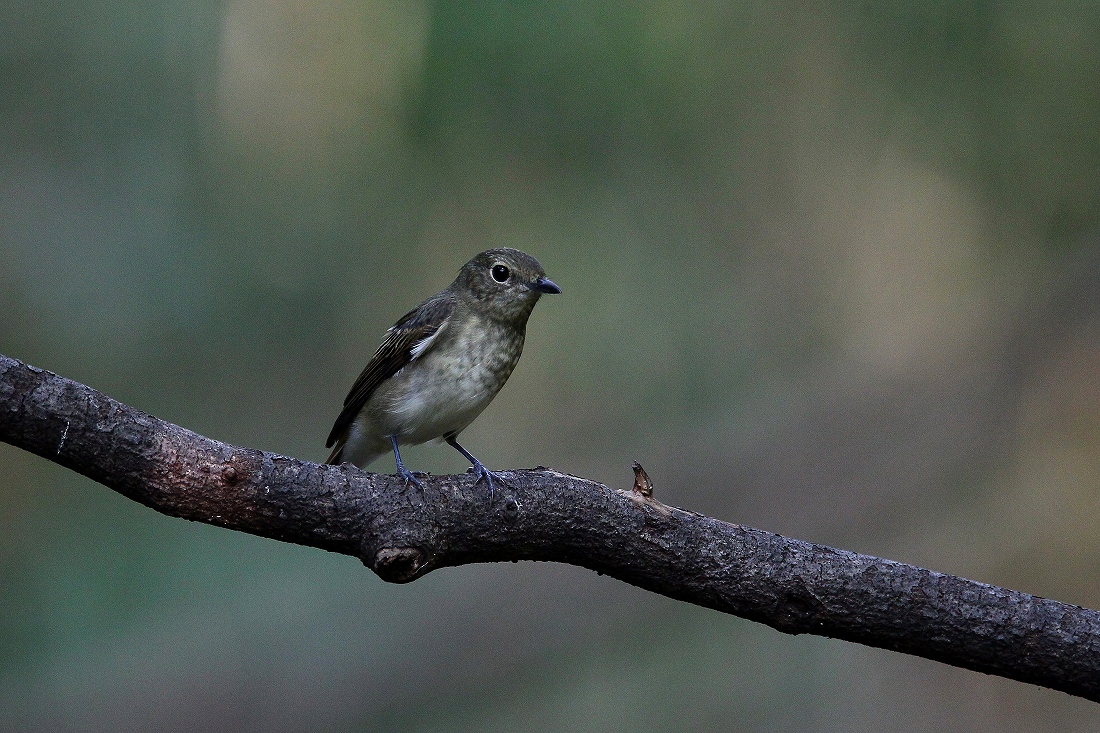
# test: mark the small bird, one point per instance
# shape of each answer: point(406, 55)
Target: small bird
point(442, 363)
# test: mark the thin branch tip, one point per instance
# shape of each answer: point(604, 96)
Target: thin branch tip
point(641, 493)
point(642, 484)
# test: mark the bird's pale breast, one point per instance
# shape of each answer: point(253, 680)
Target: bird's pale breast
point(441, 395)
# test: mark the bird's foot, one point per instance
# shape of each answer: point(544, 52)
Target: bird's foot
point(409, 477)
point(403, 472)
point(482, 472)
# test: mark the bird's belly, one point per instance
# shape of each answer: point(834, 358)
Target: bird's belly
point(436, 397)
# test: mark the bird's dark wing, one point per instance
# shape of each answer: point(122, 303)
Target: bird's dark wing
point(404, 342)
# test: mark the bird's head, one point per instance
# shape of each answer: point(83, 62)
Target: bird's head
point(505, 282)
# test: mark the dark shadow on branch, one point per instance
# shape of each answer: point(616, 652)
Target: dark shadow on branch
point(403, 533)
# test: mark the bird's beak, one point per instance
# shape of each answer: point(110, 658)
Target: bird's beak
point(545, 285)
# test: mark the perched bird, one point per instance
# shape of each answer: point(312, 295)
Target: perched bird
point(442, 363)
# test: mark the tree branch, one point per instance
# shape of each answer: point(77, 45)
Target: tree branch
point(403, 533)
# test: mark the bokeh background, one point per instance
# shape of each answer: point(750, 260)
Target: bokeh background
point(829, 269)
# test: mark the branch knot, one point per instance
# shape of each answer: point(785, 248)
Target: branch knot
point(398, 564)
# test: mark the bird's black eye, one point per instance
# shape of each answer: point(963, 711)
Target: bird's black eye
point(500, 273)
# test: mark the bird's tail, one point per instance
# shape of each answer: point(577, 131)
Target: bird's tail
point(337, 454)
point(349, 449)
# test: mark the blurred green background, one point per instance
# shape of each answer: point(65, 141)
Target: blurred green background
point(829, 269)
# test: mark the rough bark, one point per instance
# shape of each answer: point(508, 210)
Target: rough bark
point(402, 533)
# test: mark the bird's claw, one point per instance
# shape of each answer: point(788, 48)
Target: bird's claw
point(409, 477)
point(483, 473)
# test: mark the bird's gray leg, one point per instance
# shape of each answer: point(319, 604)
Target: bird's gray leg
point(479, 467)
point(401, 470)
